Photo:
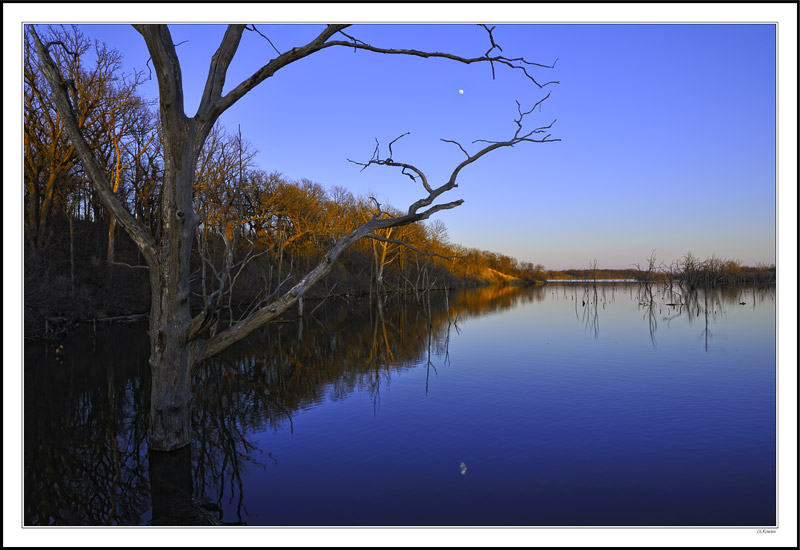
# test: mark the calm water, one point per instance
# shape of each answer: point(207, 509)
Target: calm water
point(566, 405)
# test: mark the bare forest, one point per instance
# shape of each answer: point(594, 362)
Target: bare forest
point(260, 231)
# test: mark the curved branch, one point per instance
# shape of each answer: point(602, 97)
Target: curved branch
point(392, 142)
point(459, 145)
point(518, 63)
point(254, 29)
point(263, 315)
point(404, 166)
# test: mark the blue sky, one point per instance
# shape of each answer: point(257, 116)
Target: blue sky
point(668, 131)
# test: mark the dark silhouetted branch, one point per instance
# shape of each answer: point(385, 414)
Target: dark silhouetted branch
point(417, 250)
point(254, 29)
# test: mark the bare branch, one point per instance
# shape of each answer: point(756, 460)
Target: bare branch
point(518, 63)
point(219, 67)
point(459, 145)
point(417, 250)
point(491, 39)
point(536, 104)
point(451, 183)
point(354, 40)
point(376, 154)
point(221, 104)
point(264, 36)
point(217, 105)
point(168, 73)
point(379, 212)
point(63, 46)
point(390, 162)
point(403, 171)
point(392, 142)
point(519, 122)
point(130, 266)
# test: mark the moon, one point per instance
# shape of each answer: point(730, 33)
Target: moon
point(461, 91)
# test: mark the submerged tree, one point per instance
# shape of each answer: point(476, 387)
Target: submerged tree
point(178, 339)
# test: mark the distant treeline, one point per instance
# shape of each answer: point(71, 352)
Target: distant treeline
point(691, 272)
point(591, 274)
point(688, 271)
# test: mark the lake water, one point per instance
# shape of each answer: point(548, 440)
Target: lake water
point(563, 405)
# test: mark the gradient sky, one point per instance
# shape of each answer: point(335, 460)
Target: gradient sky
point(668, 131)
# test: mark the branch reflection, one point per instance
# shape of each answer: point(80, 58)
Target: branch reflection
point(87, 400)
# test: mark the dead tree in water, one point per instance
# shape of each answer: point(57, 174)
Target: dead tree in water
point(180, 340)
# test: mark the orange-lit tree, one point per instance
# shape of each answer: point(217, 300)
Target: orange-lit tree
point(51, 157)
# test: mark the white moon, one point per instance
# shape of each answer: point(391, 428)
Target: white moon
point(461, 91)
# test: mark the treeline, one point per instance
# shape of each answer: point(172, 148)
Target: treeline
point(268, 228)
point(691, 272)
point(591, 274)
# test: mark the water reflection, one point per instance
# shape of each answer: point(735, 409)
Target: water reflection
point(86, 405)
point(86, 457)
point(85, 431)
point(660, 304)
point(707, 306)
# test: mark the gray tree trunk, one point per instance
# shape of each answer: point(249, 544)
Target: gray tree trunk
point(171, 351)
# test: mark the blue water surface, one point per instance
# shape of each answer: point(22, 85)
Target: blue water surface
point(571, 407)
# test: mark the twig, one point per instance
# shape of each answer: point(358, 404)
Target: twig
point(417, 250)
point(459, 145)
point(130, 266)
point(265, 37)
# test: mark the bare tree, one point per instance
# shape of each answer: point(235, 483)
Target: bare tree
point(178, 340)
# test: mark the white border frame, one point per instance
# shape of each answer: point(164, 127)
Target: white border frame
point(784, 14)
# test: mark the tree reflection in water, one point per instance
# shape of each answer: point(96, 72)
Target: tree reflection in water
point(85, 425)
point(696, 304)
point(86, 456)
point(85, 451)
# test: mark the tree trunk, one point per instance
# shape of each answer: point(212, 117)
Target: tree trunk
point(112, 224)
point(171, 390)
point(31, 217)
point(170, 363)
point(71, 254)
point(43, 231)
point(171, 351)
